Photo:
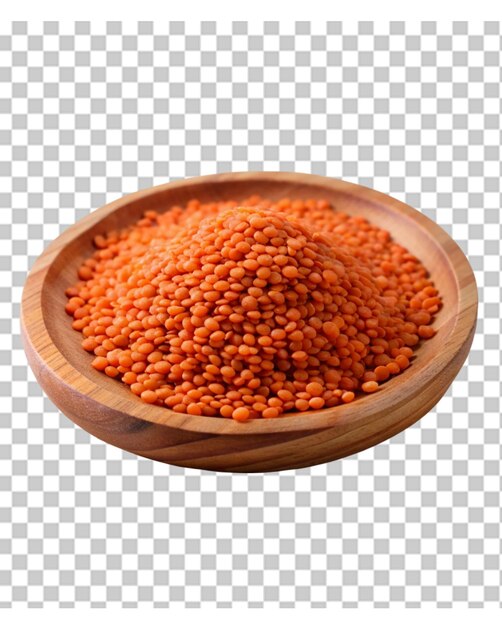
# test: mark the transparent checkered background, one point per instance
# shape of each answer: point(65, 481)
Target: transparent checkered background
point(90, 112)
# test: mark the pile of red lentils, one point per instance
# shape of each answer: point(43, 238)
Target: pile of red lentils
point(251, 310)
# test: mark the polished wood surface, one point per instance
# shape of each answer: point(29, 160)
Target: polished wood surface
point(107, 409)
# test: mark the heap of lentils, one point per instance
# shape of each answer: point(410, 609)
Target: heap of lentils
point(251, 310)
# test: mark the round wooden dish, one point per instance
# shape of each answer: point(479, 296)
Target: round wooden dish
point(107, 409)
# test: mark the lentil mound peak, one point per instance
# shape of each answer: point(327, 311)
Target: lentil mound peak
point(251, 311)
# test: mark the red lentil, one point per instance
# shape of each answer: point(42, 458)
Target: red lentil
point(370, 386)
point(250, 311)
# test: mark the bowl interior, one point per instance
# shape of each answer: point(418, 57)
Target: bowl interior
point(406, 226)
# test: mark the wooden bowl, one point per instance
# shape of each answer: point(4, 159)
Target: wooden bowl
point(107, 409)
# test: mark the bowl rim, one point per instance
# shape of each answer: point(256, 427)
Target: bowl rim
point(41, 343)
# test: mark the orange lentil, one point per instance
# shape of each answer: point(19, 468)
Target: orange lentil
point(194, 409)
point(149, 396)
point(302, 405)
point(240, 414)
point(226, 410)
point(393, 367)
point(402, 361)
point(314, 389)
point(111, 371)
point(129, 378)
point(420, 318)
point(426, 332)
point(89, 344)
point(299, 355)
point(408, 352)
point(429, 303)
point(249, 311)
point(331, 330)
point(100, 363)
point(382, 373)
point(290, 271)
point(316, 403)
point(369, 386)
point(73, 304)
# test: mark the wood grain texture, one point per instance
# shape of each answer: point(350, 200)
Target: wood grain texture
point(107, 409)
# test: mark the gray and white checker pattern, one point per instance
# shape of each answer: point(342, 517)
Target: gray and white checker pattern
point(90, 112)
